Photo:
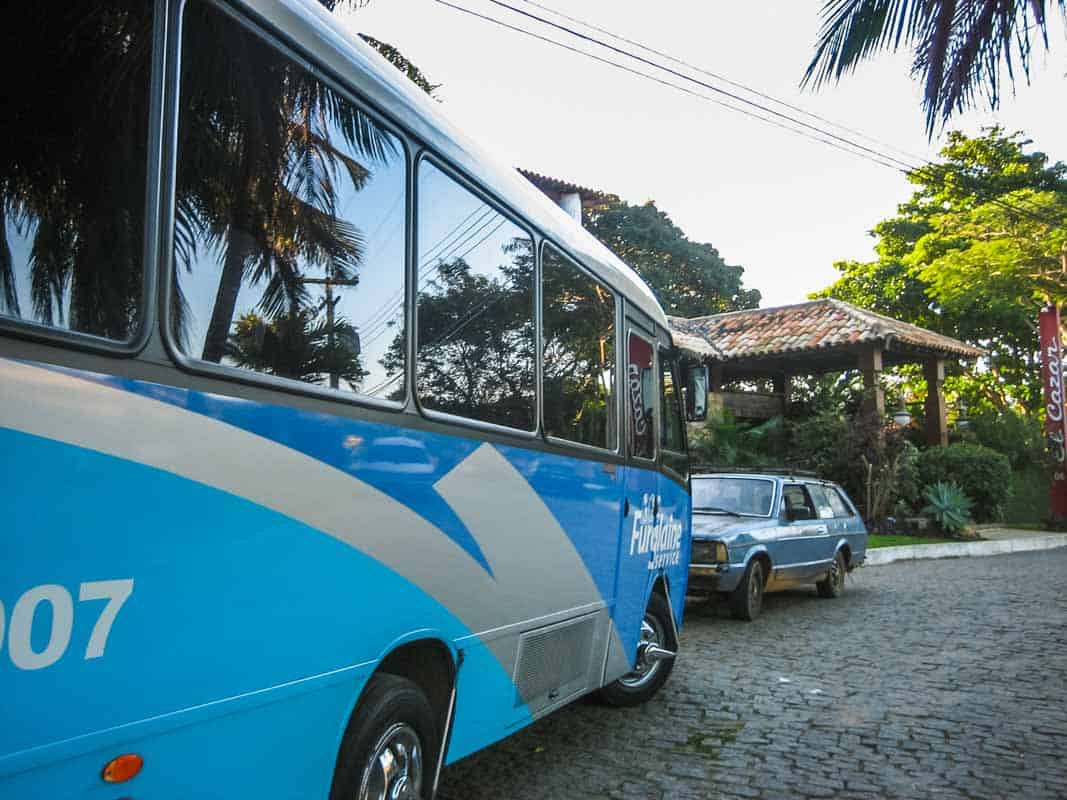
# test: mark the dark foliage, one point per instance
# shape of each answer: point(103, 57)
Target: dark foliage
point(983, 474)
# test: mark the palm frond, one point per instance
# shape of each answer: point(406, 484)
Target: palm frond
point(51, 261)
point(959, 46)
point(8, 293)
point(853, 30)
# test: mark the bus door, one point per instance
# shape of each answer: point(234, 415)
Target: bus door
point(672, 555)
point(640, 501)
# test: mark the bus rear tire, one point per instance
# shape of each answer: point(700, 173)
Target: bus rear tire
point(640, 685)
point(391, 745)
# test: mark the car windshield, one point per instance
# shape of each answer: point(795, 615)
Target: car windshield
point(733, 495)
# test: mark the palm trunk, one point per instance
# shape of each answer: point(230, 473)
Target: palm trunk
point(233, 271)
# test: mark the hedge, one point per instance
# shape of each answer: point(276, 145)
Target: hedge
point(982, 473)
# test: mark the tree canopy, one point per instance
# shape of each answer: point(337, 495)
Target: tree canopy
point(974, 254)
point(959, 46)
point(690, 279)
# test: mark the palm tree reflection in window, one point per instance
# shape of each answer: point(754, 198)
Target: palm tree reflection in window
point(72, 164)
point(279, 179)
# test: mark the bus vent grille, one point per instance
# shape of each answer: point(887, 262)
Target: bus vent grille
point(554, 664)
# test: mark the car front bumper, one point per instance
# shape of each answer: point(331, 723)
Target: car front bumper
point(707, 578)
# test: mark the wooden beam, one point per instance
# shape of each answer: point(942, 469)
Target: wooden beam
point(869, 362)
point(936, 410)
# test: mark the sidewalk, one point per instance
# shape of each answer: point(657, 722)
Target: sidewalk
point(996, 541)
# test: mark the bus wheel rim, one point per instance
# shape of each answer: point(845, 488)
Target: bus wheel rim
point(644, 671)
point(394, 769)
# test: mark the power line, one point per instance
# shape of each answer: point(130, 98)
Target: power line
point(909, 168)
point(723, 78)
point(663, 82)
point(705, 84)
point(870, 154)
point(379, 327)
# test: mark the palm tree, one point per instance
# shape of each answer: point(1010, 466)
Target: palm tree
point(959, 46)
point(262, 188)
point(259, 184)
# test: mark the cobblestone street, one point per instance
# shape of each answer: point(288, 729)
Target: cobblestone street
point(944, 679)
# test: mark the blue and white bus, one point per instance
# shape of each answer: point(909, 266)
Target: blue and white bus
point(332, 452)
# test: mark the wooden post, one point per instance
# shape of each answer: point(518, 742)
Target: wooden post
point(783, 387)
point(936, 412)
point(870, 364)
point(715, 378)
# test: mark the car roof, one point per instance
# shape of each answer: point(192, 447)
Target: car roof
point(769, 476)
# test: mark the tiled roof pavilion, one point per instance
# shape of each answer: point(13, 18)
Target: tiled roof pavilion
point(815, 338)
point(807, 338)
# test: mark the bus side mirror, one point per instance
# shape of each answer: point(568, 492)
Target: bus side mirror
point(696, 393)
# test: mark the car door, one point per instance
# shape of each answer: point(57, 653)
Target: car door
point(802, 547)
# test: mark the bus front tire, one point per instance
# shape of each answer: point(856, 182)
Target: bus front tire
point(390, 747)
point(645, 680)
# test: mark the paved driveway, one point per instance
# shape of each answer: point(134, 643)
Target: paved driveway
point(943, 679)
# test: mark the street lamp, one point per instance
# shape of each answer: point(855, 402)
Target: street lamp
point(902, 417)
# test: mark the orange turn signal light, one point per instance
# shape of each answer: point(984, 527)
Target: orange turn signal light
point(122, 768)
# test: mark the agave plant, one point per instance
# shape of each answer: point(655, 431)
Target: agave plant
point(948, 505)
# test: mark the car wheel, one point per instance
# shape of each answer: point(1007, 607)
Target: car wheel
point(648, 676)
point(747, 599)
point(834, 582)
point(390, 747)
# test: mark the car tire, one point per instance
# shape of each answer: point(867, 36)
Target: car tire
point(391, 745)
point(746, 600)
point(643, 682)
point(834, 582)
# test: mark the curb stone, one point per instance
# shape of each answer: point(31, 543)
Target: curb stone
point(912, 552)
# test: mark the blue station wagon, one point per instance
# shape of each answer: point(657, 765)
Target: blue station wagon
point(755, 533)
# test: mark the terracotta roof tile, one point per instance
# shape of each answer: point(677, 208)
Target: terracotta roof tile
point(818, 325)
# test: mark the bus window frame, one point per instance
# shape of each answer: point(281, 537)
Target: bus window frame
point(617, 302)
point(442, 165)
point(154, 201)
point(168, 171)
point(633, 329)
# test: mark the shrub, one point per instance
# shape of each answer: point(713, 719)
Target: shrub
point(983, 474)
point(726, 442)
point(1019, 437)
point(949, 506)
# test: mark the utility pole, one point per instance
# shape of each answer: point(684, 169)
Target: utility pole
point(328, 283)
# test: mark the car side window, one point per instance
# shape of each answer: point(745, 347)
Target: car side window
point(838, 503)
point(796, 504)
point(822, 503)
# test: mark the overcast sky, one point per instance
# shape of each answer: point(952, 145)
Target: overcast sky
point(782, 206)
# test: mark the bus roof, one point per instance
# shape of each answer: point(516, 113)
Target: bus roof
point(316, 31)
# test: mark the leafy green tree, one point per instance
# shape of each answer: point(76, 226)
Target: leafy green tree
point(974, 254)
point(398, 60)
point(690, 279)
point(476, 340)
point(959, 46)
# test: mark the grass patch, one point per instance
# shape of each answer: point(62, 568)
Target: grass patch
point(878, 540)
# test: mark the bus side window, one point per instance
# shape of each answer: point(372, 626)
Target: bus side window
point(672, 435)
point(639, 398)
point(476, 351)
point(290, 219)
point(74, 158)
point(578, 318)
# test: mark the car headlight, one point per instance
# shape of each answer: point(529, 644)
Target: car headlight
point(709, 553)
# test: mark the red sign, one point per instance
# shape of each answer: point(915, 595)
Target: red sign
point(1052, 373)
